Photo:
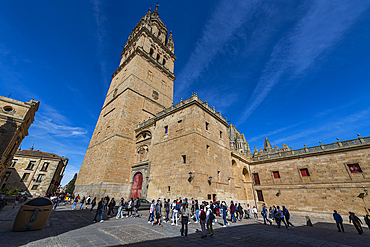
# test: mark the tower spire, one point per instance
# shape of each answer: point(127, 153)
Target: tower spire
point(267, 145)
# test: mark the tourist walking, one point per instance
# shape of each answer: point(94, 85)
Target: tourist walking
point(74, 203)
point(175, 211)
point(99, 210)
point(137, 204)
point(287, 217)
point(338, 219)
point(111, 206)
point(184, 220)
point(82, 203)
point(202, 218)
point(280, 217)
point(232, 212)
point(249, 212)
point(264, 214)
point(151, 212)
point(130, 207)
point(158, 213)
point(255, 213)
point(93, 203)
point(88, 200)
point(271, 215)
point(196, 206)
point(210, 218)
point(121, 207)
point(356, 222)
point(167, 208)
point(240, 209)
point(224, 213)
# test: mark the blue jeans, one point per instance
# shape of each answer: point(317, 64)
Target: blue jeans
point(100, 213)
point(224, 217)
point(233, 217)
point(264, 218)
point(120, 212)
point(74, 205)
point(81, 205)
point(197, 215)
point(151, 217)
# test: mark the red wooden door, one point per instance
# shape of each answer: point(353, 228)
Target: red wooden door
point(136, 185)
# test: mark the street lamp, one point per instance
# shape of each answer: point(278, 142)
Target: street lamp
point(210, 180)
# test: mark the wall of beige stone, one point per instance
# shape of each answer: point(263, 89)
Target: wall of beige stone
point(54, 172)
point(330, 185)
point(15, 119)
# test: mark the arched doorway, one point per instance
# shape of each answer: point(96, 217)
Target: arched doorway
point(137, 184)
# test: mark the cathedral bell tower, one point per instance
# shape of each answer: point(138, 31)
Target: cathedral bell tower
point(141, 86)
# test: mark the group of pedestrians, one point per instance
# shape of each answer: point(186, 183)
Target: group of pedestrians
point(352, 219)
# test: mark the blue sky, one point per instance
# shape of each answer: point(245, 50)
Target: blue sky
point(294, 71)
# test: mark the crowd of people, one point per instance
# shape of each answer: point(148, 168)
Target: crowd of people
point(186, 211)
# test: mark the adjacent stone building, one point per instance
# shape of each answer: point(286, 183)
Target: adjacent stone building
point(145, 146)
point(36, 172)
point(15, 119)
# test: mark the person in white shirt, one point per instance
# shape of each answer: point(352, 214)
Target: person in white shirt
point(254, 211)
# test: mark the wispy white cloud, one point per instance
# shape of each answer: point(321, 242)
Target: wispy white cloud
point(101, 35)
point(227, 18)
point(318, 31)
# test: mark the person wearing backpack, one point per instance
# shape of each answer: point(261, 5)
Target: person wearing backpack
point(264, 214)
point(210, 218)
point(184, 220)
point(175, 211)
point(202, 218)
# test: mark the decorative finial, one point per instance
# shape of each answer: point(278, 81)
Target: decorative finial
point(9, 95)
point(156, 7)
point(320, 143)
point(31, 148)
point(181, 99)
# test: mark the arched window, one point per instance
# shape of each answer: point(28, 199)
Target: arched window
point(164, 62)
point(158, 56)
point(151, 52)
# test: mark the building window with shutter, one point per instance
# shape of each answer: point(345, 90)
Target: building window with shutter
point(354, 168)
point(259, 195)
point(25, 177)
point(40, 177)
point(34, 187)
point(31, 165)
point(45, 166)
point(276, 174)
point(256, 178)
point(304, 172)
point(14, 161)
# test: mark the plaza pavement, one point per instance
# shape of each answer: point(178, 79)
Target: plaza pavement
point(75, 228)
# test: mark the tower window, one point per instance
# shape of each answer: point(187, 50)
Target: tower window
point(158, 57)
point(34, 187)
point(256, 178)
point(220, 134)
point(208, 148)
point(169, 188)
point(276, 174)
point(164, 62)
point(183, 159)
point(166, 129)
point(207, 126)
point(354, 168)
point(304, 172)
point(151, 52)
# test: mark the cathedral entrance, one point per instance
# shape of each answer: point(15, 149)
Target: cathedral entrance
point(137, 185)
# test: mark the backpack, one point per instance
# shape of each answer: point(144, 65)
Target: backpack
point(177, 206)
point(211, 215)
point(203, 215)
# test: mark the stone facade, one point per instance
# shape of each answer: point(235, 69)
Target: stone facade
point(15, 119)
point(315, 180)
point(35, 172)
point(143, 145)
